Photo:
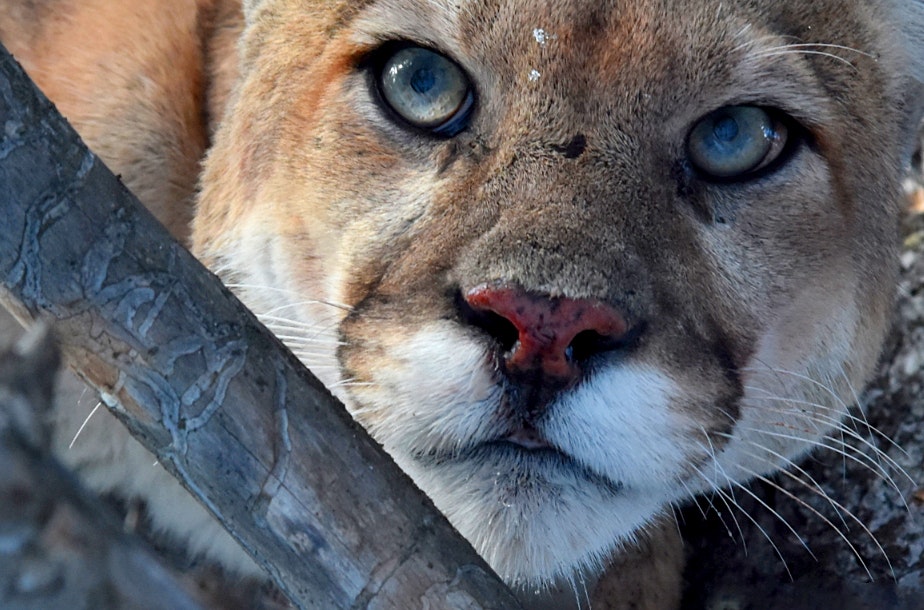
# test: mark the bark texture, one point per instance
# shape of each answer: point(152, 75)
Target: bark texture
point(60, 547)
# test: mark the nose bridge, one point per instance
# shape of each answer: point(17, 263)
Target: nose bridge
point(559, 231)
point(534, 175)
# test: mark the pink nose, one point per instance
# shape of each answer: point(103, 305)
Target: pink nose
point(553, 333)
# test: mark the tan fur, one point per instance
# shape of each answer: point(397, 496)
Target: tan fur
point(763, 302)
point(78, 53)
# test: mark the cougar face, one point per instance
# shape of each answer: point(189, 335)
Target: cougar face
point(570, 262)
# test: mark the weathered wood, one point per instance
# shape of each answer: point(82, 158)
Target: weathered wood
point(60, 547)
point(209, 390)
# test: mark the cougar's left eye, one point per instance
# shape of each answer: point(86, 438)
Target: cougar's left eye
point(735, 141)
point(426, 89)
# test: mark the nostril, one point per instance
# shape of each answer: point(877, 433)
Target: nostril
point(589, 343)
point(493, 324)
point(542, 336)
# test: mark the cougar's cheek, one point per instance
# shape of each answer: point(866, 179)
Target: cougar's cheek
point(799, 384)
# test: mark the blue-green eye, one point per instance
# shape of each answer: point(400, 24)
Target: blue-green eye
point(426, 89)
point(735, 141)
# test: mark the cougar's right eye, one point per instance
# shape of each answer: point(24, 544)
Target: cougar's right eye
point(736, 141)
point(426, 89)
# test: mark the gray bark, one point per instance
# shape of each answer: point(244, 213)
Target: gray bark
point(200, 382)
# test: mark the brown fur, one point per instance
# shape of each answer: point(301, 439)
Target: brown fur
point(571, 180)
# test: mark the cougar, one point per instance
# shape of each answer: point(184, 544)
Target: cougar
point(570, 262)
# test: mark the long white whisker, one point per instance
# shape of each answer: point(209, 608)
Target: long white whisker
point(873, 430)
point(286, 306)
point(84, 424)
point(829, 422)
point(287, 322)
point(815, 488)
point(718, 469)
point(695, 496)
point(776, 514)
point(842, 449)
point(780, 53)
point(754, 521)
point(822, 407)
point(819, 45)
point(777, 372)
point(295, 293)
point(827, 521)
point(835, 422)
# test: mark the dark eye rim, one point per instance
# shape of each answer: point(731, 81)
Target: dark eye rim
point(374, 64)
point(797, 136)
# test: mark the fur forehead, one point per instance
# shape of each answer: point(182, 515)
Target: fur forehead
point(583, 24)
point(639, 13)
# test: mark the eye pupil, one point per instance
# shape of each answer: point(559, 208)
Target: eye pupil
point(735, 141)
point(726, 129)
point(423, 80)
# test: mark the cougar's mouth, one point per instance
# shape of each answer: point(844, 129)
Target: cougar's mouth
point(526, 459)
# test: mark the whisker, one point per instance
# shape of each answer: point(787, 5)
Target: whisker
point(355, 383)
point(873, 430)
point(776, 514)
point(286, 291)
point(321, 367)
point(820, 45)
point(835, 423)
point(84, 424)
point(816, 488)
point(695, 496)
point(274, 320)
point(780, 53)
point(840, 414)
point(717, 469)
point(841, 449)
point(731, 503)
point(801, 376)
point(827, 521)
point(293, 341)
point(759, 527)
point(285, 306)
